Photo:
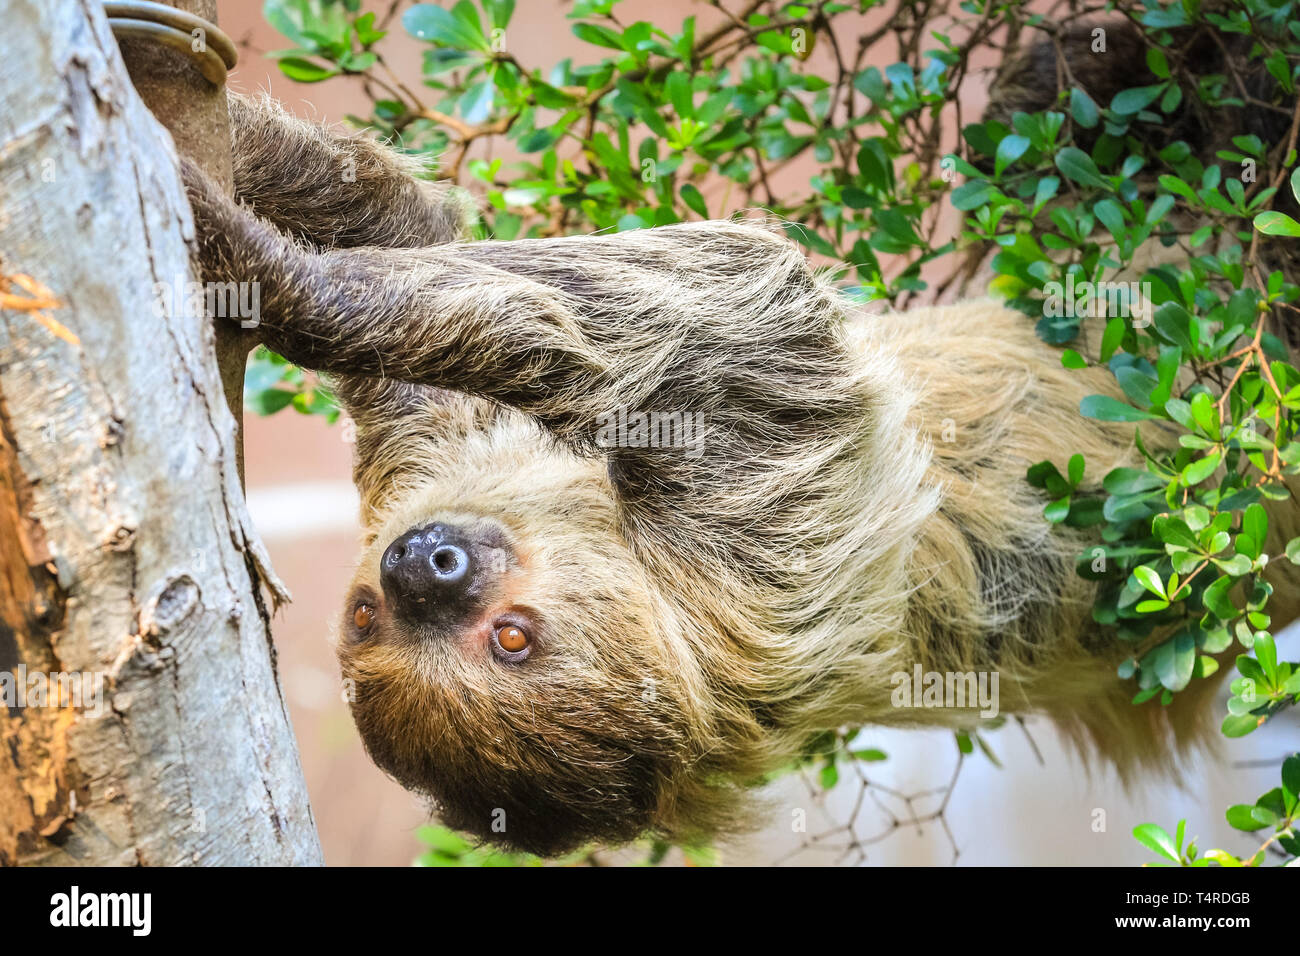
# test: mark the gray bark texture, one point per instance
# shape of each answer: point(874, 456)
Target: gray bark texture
point(127, 558)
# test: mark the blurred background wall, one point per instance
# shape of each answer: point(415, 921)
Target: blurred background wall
point(1032, 811)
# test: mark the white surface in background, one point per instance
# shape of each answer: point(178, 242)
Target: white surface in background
point(304, 509)
point(1029, 813)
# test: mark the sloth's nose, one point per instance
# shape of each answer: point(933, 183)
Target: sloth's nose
point(427, 572)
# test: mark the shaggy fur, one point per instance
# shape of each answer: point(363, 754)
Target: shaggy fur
point(859, 507)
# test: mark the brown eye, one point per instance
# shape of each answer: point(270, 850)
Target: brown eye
point(363, 616)
point(512, 639)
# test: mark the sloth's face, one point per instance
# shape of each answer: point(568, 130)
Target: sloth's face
point(518, 668)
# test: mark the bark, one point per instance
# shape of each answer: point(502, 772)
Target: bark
point(194, 112)
point(127, 559)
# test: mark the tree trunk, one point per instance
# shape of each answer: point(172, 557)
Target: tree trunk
point(194, 112)
point(128, 566)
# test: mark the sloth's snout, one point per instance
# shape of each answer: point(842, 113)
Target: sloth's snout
point(428, 573)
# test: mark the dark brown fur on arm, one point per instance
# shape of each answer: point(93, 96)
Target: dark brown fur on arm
point(330, 190)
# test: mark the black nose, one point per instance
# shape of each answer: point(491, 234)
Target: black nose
point(427, 573)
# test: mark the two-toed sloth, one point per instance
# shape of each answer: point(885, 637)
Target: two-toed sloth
point(587, 636)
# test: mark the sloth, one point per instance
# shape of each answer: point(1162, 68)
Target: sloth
point(644, 513)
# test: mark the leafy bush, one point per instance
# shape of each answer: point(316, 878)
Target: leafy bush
point(661, 119)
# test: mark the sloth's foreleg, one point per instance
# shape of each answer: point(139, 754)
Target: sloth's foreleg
point(335, 191)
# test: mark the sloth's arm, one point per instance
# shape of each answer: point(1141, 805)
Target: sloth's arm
point(335, 191)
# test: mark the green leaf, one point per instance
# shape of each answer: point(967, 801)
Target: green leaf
point(1242, 817)
point(1083, 109)
point(1291, 775)
point(1181, 412)
point(1157, 63)
point(1075, 469)
point(1176, 185)
point(1137, 385)
point(972, 195)
point(306, 71)
point(1264, 815)
point(1273, 223)
point(1107, 409)
point(1078, 166)
point(443, 840)
point(1174, 532)
point(1254, 522)
point(597, 35)
point(1239, 725)
point(871, 84)
point(1205, 414)
point(1198, 516)
point(477, 102)
point(1266, 654)
point(1175, 323)
point(1147, 577)
point(855, 198)
point(1058, 510)
point(281, 15)
point(1201, 469)
point(1205, 666)
point(1222, 857)
point(1112, 337)
point(1128, 102)
point(263, 374)
point(679, 93)
point(1156, 840)
point(1129, 481)
point(1072, 359)
point(1111, 215)
point(1009, 150)
point(540, 139)
point(1215, 599)
point(1159, 209)
point(1174, 661)
point(1045, 190)
point(1237, 565)
point(692, 197)
point(830, 776)
point(425, 21)
point(870, 754)
point(268, 402)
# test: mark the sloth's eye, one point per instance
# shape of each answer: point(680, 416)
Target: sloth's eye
point(363, 616)
point(511, 642)
point(512, 638)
